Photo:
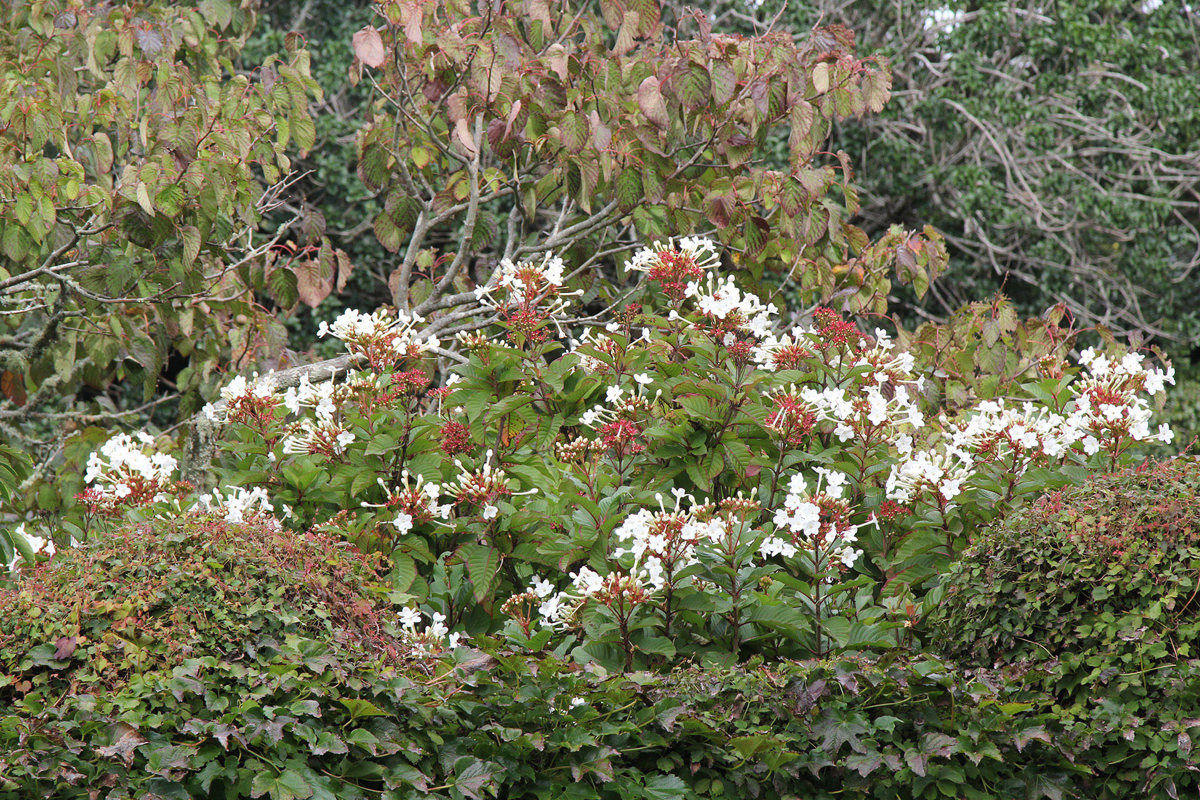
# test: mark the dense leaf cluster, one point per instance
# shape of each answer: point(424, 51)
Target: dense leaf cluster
point(282, 707)
point(198, 659)
point(1091, 596)
point(152, 595)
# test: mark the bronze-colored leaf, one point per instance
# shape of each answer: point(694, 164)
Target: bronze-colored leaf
point(368, 47)
point(12, 386)
point(64, 647)
point(650, 101)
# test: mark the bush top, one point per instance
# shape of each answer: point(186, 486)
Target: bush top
point(154, 594)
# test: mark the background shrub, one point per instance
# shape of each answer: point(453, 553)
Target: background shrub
point(1091, 594)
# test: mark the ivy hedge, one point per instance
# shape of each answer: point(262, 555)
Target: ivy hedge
point(195, 658)
point(1092, 597)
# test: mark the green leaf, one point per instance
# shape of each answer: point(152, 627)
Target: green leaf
point(473, 777)
point(665, 787)
point(169, 200)
point(287, 785)
point(143, 198)
point(283, 287)
point(190, 235)
point(483, 567)
point(387, 232)
point(361, 708)
point(628, 189)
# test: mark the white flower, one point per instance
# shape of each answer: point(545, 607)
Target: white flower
point(403, 522)
point(542, 587)
point(490, 512)
point(552, 609)
point(643, 379)
point(438, 627)
point(587, 581)
point(409, 617)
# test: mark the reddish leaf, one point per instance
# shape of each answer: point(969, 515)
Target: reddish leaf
point(313, 281)
point(512, 117)
point(412, 13)
point(601, 133)
point(64, 647)
point(368, 47)
point(719, 208)
point(650, 101)
point(463, 139)
point(344, 268)
point(626, 36)
point(12, 385)
point(820, 78)
point(558, 60)
point(724, 82)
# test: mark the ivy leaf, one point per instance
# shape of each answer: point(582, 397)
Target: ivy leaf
point(472, 777)
point(361, 708)
point(125, 741)
point(836, 731)
point(287, 785)
point(665, 787)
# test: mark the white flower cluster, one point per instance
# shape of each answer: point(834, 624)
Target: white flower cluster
point(662, 541)
point(884, 364)
point(770, 346)
point(618, 402)
point(123, 466)
point(1107, 401)
point(525, 281)
point(1107, 407)
point(808, 520)
point(942, 469)
point(657, 547)
point(870, 408)
point(240, 393)
point(237, 504)
point(414, 502)
point(433, 638)
point(239, 387)
point(322, 435)
point(701, 251)
point(317, 396)
point(364, 331)
point(943, 20)
point(722, 300)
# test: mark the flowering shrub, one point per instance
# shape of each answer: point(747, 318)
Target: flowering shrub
point(815, 481)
